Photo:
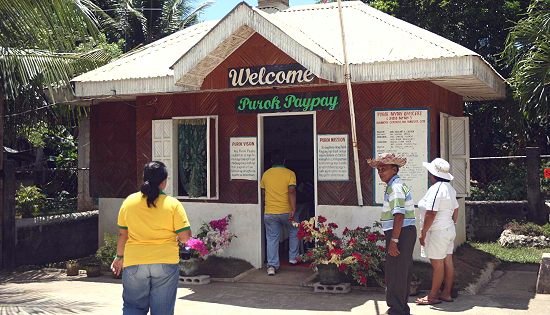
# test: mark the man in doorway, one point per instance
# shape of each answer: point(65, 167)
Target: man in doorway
point(279, 202)
point(398, 223)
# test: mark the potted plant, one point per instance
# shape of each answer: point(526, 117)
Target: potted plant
point(107, 252)
point(212, 238)
point(72, 267)
point(92, 267)
point(357, 253)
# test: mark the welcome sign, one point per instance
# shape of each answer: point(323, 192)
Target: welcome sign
point(269, 75)
point(295, 102)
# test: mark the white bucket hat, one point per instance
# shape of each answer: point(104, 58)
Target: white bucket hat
point(439, 167)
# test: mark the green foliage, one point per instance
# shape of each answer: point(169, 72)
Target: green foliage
point(62, 146)
point(510, 185)
point(523, 255)
point(106, 253)
point(528, 228)
point(29, 201)
point(527, 53)
point(61, 203)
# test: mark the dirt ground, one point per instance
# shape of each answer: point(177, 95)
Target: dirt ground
point(468, 261)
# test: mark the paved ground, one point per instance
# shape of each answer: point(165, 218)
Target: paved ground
point(39, 292)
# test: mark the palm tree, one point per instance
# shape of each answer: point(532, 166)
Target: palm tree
point(37, 43)
point(140, 22)
point(527, 52)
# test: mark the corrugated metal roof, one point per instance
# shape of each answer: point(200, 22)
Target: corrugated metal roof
point(380, 48)
point(371, 35)
point(150, 61)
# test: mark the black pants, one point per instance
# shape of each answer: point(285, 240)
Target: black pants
point(398, 271)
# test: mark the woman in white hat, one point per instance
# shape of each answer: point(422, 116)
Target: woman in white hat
point(439, 214)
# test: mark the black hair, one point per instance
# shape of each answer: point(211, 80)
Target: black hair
point(439, 179)
point(154, 173)
point(277, 157)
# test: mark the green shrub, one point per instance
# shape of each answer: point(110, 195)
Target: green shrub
point(106, 253)
point(546, 229)
point(29, 201)
point(528, 229)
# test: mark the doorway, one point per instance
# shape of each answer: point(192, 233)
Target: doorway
point(293, 135)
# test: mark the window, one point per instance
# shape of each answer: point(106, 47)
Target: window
point(188, 146)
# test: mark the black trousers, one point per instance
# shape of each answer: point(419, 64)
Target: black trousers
point(398, 271)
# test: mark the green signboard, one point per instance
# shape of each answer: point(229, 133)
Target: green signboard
point(295, 102)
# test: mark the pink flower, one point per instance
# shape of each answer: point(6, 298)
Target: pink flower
point(197, 245)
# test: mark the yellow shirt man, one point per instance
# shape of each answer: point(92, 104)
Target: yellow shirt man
point(276, 182)
point(152, 231)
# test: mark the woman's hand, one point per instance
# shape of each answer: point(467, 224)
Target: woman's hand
point(117, 265)
point(422, 238)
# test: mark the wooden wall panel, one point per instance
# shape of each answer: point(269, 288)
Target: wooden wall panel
point(112, 150)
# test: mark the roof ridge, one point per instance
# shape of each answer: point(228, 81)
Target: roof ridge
point(279, 20)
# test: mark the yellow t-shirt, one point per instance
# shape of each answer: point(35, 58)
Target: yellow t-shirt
point(276, 181)
point(152, 231)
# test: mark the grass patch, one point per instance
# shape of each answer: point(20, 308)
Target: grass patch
point(522, 255)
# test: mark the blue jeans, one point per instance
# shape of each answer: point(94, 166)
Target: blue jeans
point(274, 224)
point(150, 287)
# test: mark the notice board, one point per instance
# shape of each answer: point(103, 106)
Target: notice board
point(403, 132)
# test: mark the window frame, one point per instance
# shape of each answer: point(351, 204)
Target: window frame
point(210, 120)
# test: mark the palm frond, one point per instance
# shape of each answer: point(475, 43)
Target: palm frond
point(20, 67)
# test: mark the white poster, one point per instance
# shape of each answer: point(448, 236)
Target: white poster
point(403, 132)
point(243, 153)
point(332, 158)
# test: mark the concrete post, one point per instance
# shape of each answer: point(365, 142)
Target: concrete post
point(84, 201)
point(8, 216)
point(534, 197)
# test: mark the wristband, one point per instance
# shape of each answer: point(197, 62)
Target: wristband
point(119, 256)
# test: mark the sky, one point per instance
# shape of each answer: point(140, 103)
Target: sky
point(220, 8)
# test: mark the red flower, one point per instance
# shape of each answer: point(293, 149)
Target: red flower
point(321, 219)
point(357, 256)
point(372, 237)
point(309, 254)
point(336, 252)
point(363, 280)
point(352, 242)
point(382, 248)
point(342, 267)
point(346, 230)
point(333, 225)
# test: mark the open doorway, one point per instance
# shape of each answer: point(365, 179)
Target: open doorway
point(293, 136)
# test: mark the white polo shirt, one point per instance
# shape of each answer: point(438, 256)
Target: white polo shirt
point(441, 197)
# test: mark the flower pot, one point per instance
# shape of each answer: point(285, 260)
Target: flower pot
point(189, 267)
point(72, 268)
point(93, 270)
point(329, 274)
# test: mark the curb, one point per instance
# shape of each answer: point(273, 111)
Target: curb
point(236, 278)
point(484, 278)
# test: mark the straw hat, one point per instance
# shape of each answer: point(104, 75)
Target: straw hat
point(439, 167)
point(387, 158)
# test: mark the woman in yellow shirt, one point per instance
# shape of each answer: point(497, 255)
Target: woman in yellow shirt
point(150, 226)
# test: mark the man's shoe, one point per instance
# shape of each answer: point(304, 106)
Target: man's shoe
point(293, 262)
point(270, 271)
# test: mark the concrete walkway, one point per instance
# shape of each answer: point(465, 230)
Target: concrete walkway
point(50, 292)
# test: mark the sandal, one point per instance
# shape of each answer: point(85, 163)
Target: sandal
point(427, 301)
